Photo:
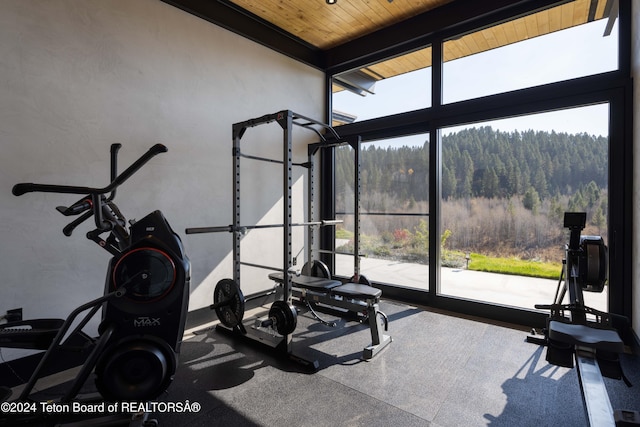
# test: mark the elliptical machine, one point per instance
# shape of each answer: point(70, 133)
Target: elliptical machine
point(144, 307)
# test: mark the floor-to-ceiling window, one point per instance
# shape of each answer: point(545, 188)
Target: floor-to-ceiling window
point(505, 187)
point(519, 122)
point(394, 209)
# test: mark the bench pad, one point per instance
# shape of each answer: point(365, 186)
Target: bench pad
point(357, 291)
point(308, 282)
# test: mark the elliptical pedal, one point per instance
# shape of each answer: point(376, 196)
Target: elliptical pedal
point(37, 334)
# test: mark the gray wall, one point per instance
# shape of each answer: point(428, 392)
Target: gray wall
point(78, 75)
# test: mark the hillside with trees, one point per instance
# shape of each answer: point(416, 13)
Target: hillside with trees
point(504, 193)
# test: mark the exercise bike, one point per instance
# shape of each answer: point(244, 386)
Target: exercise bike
point(576, 332)
point(143, 308)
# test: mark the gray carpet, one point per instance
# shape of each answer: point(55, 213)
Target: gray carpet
point(440, 370)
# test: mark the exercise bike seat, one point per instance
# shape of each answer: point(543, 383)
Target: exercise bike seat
point(35, 334)
point(586, 336)
point(312, 283)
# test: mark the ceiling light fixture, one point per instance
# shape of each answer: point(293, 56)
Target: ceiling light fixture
point(332, 1)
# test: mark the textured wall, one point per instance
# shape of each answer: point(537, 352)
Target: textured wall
point(78, 75)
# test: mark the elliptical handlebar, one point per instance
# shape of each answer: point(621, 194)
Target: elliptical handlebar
point(68, 229)
point(23, 188)
point(114, 165)
point(94, 203)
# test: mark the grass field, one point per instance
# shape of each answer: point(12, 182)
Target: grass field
point(451, 258)
point(518, 267)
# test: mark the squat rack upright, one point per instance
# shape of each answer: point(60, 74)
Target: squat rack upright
point(314, 281)
point(286, 119)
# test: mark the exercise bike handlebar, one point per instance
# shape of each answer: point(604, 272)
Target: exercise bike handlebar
point(23, 188)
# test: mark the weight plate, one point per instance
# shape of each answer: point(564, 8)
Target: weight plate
point(316, 269)
point(363, 280)
point(228, 302)
point(285, 317)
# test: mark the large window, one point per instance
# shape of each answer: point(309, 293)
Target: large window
point(523, 118)
point(505, 187)
point(389, 87)
point(394, 210)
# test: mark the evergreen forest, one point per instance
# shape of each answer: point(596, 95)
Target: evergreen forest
point(504, 193)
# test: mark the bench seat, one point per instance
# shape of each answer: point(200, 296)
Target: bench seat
point(357, 291)
point(308, 282)
point(350, 297)
point(582, 335)
point(320, 284)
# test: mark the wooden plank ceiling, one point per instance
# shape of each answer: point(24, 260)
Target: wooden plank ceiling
point(544, 22)
point(527, 27)
point(326, 26)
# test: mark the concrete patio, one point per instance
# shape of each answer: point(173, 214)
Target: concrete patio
point(503, 289)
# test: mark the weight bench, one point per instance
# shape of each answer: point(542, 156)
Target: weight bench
point(353, 297)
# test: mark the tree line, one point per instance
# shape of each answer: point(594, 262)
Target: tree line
point(503, 192)
point(487, 163)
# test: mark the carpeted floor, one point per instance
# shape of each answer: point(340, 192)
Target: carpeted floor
point(440, 370)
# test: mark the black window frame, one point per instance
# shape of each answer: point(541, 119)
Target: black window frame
point(614, 88)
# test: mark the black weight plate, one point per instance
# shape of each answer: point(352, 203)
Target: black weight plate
point(285, 315)
point(229, 302)
point(316, 269)
point(363, 280)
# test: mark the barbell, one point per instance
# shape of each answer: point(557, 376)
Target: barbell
point(243, 228)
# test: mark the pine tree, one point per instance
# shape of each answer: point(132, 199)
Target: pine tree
point(531, 200)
